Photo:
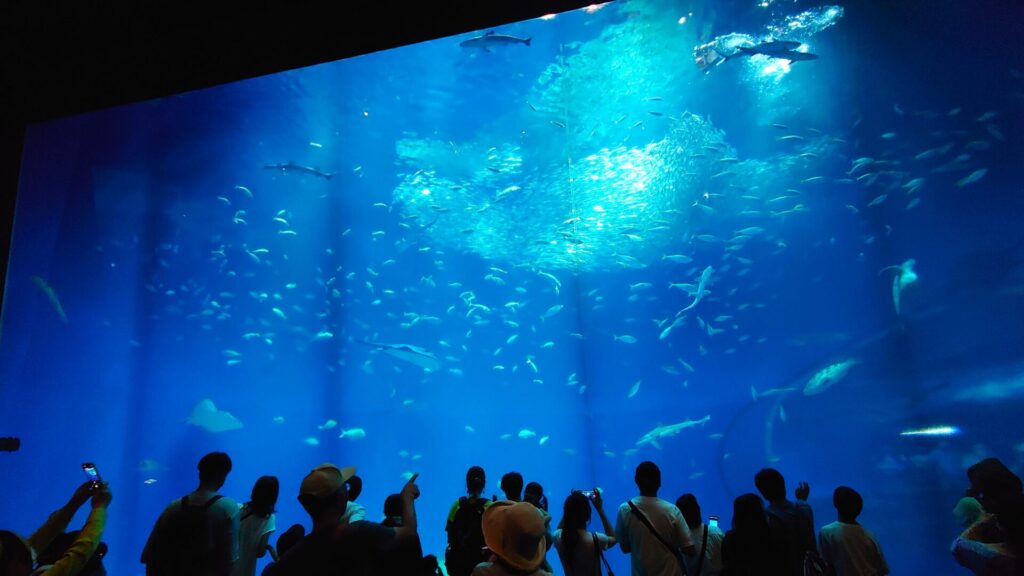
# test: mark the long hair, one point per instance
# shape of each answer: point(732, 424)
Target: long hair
point(748, 517)
point(264, 496)
point(575, 516)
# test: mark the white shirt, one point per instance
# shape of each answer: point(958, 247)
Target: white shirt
point(648, 556)
point(583, 556)
point(353, 513)
point(852, 550)
point(712, 553)
point(253, 537)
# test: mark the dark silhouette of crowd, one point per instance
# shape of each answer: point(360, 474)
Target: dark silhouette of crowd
point(207, 534)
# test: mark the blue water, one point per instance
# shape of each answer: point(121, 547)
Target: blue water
point(472, 193)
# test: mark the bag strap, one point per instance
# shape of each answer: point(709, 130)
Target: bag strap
point(598, 554)
point(211, 502)
point(703, 551)
point(672, 549)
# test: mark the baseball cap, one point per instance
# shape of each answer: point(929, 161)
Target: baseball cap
point(325, 479)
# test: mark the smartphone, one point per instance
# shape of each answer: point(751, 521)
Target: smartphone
point(92, 473)
point(713, 521)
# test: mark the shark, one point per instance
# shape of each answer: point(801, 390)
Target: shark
point(785, 49)
point(699, 292)
point(669, 430)
point(489, 40)
point(409, 353)
point(51, 295)
point(206, 416)
point(290, 166)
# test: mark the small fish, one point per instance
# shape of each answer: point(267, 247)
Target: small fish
point(634, 389)
point(544, 440)
point(677, 258)
point(149, 481)
point(878, 200)
point(469, 428)
point(527, 433)
point(323, 335)
point(244, 190)
point(972, 177)
point(553, 310)
point(932, 431)
point(279, 313)
point(312, 441)
point(813, 179)
point(625, 338)
point(532, 365)
point(327, 425)
point(789, 138)
point(557, 123)
point(353, 434)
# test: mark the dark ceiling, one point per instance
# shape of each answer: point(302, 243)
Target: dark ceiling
point(89, 55)
point(58, 59)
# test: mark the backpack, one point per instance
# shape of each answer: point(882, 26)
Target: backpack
point(466, 537)
point(186, 549)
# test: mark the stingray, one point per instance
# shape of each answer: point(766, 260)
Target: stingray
point(206, 416)
point(409, 353)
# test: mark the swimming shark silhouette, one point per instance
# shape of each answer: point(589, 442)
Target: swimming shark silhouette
point(409, 353)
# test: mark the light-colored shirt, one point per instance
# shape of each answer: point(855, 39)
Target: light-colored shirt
point(982, 558)
point(712, 553)
point(354, 512)
point(80, 551)
point(648, 556)
point(222, 518)
point(253, 536)
point(584, 560)
point(495, 569)
point(852, 550)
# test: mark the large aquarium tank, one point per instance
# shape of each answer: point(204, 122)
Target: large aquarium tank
point(716, 236)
